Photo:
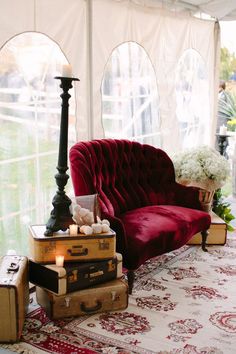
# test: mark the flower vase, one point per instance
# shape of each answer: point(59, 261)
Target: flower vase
point(206, 199)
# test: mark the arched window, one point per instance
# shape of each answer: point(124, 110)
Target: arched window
point(30, 109)
point(192, 100)
point(130, 102)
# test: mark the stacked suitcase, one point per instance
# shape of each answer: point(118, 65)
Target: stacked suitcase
point(90, 280)
point(14, 295)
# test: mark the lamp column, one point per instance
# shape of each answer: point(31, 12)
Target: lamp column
point(60, 217)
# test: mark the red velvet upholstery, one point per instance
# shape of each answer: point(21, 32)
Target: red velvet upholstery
point(150, 212)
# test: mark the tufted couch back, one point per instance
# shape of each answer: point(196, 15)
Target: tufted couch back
point(125, 174)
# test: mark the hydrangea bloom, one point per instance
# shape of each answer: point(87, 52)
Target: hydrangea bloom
point(202, 166)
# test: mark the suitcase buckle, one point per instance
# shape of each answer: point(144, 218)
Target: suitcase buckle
point(13, 267)
point(67, 301)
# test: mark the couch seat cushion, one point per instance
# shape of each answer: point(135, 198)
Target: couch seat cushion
point(154, 230)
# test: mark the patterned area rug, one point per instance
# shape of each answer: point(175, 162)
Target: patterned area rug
point(183, 302)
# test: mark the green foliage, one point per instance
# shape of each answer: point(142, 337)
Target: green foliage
point(227, 102)
point(231, 125)
point(227, 64)
point(227, 109)
point(222, 209)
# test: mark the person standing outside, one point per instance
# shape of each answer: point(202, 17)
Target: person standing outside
point(223, 100)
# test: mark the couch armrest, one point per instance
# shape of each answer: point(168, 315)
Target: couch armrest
point(117, 226)
point(187, 196)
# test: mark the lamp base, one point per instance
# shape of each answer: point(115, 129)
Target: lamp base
point(60, 217)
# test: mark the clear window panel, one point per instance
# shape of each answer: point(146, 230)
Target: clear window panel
point(47, 185)
point(14, 232)
point(30, 111)
point(192, 100)
point(18, 185)
point(130, 101)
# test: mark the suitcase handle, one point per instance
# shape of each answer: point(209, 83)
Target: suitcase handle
point(83, 252)
point(90, 309)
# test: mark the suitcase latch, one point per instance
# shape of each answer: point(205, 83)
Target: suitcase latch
point(13, 267)
point(114, 296)
point(67, 301)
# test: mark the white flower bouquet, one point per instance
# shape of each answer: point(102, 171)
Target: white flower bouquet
point(202, 167)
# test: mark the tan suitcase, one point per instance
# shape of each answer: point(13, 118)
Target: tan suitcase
point(74, 248)
point(109, 296)
point(217, 233)
point(74, 276)
point(14, 296)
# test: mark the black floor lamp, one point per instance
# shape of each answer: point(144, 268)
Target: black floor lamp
point(60, 217)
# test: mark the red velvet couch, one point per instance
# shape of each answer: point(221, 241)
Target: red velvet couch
point(150, 213)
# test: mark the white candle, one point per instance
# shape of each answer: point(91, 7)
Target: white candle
point(66, 70)
point(11, 252)
point(223, 130)
point(59, 261)
point(73, 229)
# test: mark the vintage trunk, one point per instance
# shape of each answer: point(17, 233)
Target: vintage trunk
point(74, 275)
point(109, 296)
point(14, 296)
point(74, 248)
point(217, 233)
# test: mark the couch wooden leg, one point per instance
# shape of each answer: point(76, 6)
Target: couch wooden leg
point(204, 233)
point(130, 276)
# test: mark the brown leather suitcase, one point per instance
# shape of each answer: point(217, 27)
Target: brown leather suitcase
point(74, 248)
point(14, 296)
point(74, 275)
point(109, 296)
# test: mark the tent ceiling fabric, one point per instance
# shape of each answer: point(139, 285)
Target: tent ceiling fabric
point(219, 9)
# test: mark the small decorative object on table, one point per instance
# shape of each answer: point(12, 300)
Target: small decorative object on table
point(85, 215)
point(223, 130)
point(73, 230)
point(202, 167)
point(59, 260)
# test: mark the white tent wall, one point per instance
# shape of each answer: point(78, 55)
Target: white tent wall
point(87, 32)
point(15, 17)
point(165, 36)
point(65, 22)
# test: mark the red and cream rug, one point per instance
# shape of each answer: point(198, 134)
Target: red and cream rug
point(183, 302)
